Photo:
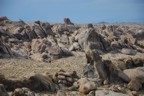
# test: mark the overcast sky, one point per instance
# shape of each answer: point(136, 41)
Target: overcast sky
point(79, 11)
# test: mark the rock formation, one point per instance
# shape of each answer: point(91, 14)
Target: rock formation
point(114, 54)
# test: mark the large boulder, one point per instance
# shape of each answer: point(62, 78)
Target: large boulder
point(42, 82)
point(39, 82)
point(85, 85)
point(93, 57)
point(89, 39)
point(137, 78)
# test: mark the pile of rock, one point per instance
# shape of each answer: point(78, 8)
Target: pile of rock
point(42, 41)
point(66, 79)
point(26, 39)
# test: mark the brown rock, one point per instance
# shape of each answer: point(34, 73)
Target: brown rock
point(61, 93)
point(137, 78)
point(87, 87)
point(134, 85)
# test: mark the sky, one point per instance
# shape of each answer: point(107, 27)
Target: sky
point(79, 11)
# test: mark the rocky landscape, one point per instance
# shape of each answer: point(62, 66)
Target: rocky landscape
point(67, 59)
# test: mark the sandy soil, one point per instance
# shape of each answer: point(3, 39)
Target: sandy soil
point(19, 68)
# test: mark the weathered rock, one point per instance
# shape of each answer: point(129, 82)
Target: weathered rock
point(55, 52)
point(128, 51)
point(135, 73)
point(108, 93)
point(39, 31)
point(30, 34)
point(68, 21)
point(23, 92)
point(128, 39)
point(89, 39)
point(90, 25)
point(5, 51)
point(86, 88)
point(139, 35)
point(75, 46)
point(91, 93)
point(2, 18)
point(115, 45)
point(93, 57)
point(37, 57)
point(135, 85)
point(42, 82)
point(47, 28)
point(64, 39)
point(40, 45)
point(66, 78)
point(138, 62)
point(89, 71)
point(61, 93)
point(27, 45)
point(84, 85)
point(3, 92)
point(137, 78)
point(114, 73)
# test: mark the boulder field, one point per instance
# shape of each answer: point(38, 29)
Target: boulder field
point(114, 57)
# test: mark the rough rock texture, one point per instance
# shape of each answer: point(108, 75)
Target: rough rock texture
point(3, 92)
point(114, 54)
point(67, 21)
point(85, 85)
point(108, 93)
point(137, 78)
point(66, 78)
point(23, 92)
point(40, 82)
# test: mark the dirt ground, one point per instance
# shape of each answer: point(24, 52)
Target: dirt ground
point(19, 68)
